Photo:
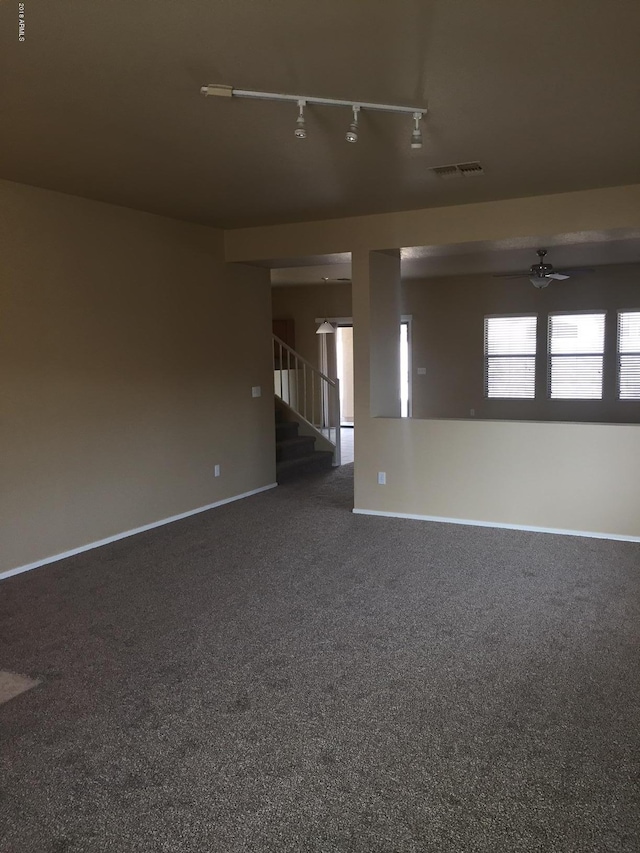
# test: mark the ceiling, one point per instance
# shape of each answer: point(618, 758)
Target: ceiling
point(102, 100)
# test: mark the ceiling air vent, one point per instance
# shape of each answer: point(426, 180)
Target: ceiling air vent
point(458, 170)
point(446, 171)
point(470, 169)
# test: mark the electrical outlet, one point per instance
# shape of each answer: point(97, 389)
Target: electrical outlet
point(472, 412)
point(382, 478)
point(256, 391)
point(216, 470)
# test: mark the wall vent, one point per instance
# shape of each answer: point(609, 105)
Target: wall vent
point(458, 170)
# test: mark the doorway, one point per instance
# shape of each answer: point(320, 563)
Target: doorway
point(344, 367)
point(344, 360)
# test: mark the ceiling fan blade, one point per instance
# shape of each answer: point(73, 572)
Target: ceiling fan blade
point(571, 270)
point(558, 276)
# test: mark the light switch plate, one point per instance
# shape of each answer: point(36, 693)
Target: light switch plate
point(256, 391)
point(422, 371)
point(382, 478)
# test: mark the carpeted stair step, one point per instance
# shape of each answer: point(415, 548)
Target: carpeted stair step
point(294, 448)
point(302, 466)
point(286, 429)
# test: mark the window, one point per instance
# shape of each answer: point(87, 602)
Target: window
point(576, 351)
point(629, 355)
point(510, 356)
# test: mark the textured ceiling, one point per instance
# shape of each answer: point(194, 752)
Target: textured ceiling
point(102, 100)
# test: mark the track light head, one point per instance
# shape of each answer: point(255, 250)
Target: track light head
point(301, 131)
point(416, 134)
point(352, 133)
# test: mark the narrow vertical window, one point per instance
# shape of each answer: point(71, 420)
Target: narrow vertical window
point(510, 357)
point(629, 355)
point(576, 353)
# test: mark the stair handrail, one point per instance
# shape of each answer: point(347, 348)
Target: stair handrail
point(301, 358)
point(329, 407)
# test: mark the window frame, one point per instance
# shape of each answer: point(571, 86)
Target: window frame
point(550, 356)
point(486, 356)
point(619, 355)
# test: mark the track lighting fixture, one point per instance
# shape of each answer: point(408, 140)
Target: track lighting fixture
point(301, 131)
point(222, 91)
point(352, 133)
point(416, 135)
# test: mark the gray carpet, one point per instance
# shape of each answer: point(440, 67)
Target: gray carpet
point(281, 675)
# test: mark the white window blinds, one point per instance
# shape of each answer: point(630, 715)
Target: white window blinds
point(510, 363)
point(629, 355)
point(576, 349)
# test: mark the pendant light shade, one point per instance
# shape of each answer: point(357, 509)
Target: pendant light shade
point(325, 329)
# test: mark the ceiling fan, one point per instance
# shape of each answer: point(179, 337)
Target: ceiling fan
point(541, 275)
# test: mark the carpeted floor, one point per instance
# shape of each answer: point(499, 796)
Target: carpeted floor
point(281, 675)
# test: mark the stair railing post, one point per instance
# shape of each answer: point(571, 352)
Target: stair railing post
point(337, 458)
point(304, 376)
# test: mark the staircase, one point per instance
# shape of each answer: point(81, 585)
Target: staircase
point(296, 455)
point(307, 415)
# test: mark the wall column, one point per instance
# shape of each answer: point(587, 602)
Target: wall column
point(376, 318)
point(376, 358)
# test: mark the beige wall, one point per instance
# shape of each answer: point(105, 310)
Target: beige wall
point(574, 477)
point(127, 354)
point(448, 340)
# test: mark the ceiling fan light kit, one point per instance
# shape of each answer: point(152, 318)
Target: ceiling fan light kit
point(222, 91)
point(540, 282)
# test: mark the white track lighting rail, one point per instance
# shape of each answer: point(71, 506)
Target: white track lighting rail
point(221, 91)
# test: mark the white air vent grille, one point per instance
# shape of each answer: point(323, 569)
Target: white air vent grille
point(458, 170)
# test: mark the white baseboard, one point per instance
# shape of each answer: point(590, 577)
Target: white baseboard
point(126, 533)
point(495, 524)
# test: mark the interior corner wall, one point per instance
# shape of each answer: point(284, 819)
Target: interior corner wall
point(128, 350)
